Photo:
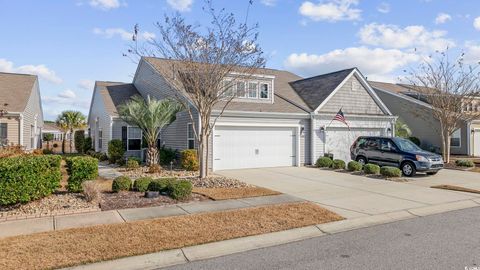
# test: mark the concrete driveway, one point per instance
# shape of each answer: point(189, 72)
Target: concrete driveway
point(355, 196)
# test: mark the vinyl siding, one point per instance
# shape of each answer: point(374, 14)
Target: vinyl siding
point(104, 122)
point(13, 129)
point(117, 134)
point(33, 116)
point(149, 82)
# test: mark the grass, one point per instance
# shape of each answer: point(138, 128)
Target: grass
point(106, 242)
point(234, 193)
point(457, 188)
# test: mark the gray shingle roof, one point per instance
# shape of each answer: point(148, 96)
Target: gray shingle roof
point(15, 91)
point(115, 94)
point(315, 90)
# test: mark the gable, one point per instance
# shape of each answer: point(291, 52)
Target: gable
point(353, 98)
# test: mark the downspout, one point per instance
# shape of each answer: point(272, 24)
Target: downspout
point(469, 138)
point(312, 138)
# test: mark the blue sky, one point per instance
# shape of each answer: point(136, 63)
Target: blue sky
point(70, 44)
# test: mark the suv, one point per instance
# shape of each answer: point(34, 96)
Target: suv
point(397, 152)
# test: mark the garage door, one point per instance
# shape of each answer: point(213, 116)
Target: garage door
point(339, 140)
point(253, 147)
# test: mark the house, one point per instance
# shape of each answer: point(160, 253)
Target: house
point(21, 115)
point(405, 102)
point(276, 119)
point(51, 128)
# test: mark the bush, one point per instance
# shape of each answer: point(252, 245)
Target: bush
point(121, 183)
point(324, 162)
point(80, 169)
point(338, 164)
point(160, 185)
point(371, 169)
point(415, 140)
point(47, 151)
point(354, 166)
point(167, 155)
point(91, 192)
point(179, 190)
point(389, 171)
point(141, 184)
point(87, 145)
point(190, 160)
point(132, 164)
point(154, 168)
point(27, 178)
point(115, 150)
point(464, 163)
point(79, 139)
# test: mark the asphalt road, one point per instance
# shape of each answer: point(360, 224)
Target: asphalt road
point(445, 241)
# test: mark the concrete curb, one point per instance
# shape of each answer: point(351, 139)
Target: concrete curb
point(441, 208)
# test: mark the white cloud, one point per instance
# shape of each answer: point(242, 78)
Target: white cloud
point(122, 33)
point(41, 71)
point(269, 3)
point(67, 94)
point(472, 52)
point(331, 11)
point(371, 62)
point(383, 7)
point(476, 23)
point(442, 18)
point(180, 5)
point(86, 84)
point(105, 4)
point(414, 36)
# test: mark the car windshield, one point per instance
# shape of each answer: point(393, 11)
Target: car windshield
point(406, 145)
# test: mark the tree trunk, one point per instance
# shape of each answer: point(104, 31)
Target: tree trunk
point(202, 155)
point(71, 140)
point(445, 145)
point(63, 142)
point(152, 155)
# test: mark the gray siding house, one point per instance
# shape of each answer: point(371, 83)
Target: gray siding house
point(276, 119)
point(21, 115)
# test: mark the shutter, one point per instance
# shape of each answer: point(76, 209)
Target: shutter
point(3, 131)
point(124, 137)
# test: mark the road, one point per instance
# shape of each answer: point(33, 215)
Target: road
point(445, 241)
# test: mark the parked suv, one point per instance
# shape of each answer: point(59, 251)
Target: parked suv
point(397, 152)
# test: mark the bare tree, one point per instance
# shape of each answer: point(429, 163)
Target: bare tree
point(203, 65)
point(452, 88)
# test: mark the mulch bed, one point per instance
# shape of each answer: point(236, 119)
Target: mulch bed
point(131, 199)
point(457, 188)
point(71, 247)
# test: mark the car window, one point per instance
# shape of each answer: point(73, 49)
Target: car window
point(361, 142)
point(387, 145)
point(372, 144)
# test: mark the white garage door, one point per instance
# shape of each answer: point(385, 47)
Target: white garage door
point(253, 147)
point(339, 140)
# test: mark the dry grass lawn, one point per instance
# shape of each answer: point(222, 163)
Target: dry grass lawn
point(234, 193)
point(105, 242)
point(457, 188)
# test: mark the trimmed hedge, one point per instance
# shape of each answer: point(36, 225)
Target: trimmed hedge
point(190, 160)
point(27, 178)
point(121, 183)
point(324, 162)
point(354, 166)
point(179, 190)
point(389, 171)
point(115, 150)
point(141, 184)
point(338, 164)
point(160, 185)
point(464, 163)
point(371, 168)
point(132, 164)
point(80, 169)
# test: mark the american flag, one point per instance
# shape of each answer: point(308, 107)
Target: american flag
point(340, 117)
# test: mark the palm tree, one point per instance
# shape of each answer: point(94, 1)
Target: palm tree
point(150, 115)
point(402, 129)
point(69, 121)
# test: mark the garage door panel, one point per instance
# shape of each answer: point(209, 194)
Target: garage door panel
point(339, 140)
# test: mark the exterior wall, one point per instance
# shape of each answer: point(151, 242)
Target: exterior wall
point(353, 98)
point(99, 119)
point(149, 82)
point(117, 134)
point(33, 116)
point(175, 135)
point(13, 129)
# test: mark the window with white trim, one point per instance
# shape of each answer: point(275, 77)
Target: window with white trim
point(241, 91)
point(134, 137)
point(252, 89)
point(190, 136)
point(100, 140)
point(228, 88)
point(455, 139)
point(264, 91)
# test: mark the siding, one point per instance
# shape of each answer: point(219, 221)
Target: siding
point(353, 98)
point(149, 82)
point(33, 116)
point(117, 134)
point(13, 129)
point(104, 122)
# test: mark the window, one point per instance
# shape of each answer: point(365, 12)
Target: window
point(241, 90)
point(100, 140)
point(190, 136)
point(386, 145)
point(372, 144)
point(455, 138)
point(264, 91)
point(134, 138)
point(252, 89)
point(3, 134)
point(228, 89)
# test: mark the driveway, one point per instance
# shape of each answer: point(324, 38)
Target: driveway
point(355, 196)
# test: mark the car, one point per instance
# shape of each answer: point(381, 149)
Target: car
point(397, 152)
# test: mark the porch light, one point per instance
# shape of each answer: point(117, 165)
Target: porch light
point(322, 129)
point(302, 129)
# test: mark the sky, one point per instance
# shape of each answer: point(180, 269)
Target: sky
point(70, 44)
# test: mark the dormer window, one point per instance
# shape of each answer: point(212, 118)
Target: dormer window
point(252, 89)
point(264, 91)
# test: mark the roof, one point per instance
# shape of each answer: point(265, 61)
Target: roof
point(115, 94)
point(315, 90)
point(15, 91)
point(50, 127)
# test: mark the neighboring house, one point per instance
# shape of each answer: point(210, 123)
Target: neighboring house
point(276, 119)
point(51, 128)
point(21, 115)
point(403, 101)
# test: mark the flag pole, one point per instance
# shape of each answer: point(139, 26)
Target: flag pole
point(333, 118)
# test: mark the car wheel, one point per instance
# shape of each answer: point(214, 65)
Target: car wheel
point(362, 160)
point(408, 169)
point(432, 173)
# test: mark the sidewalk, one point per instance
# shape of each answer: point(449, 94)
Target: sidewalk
point(61, 222)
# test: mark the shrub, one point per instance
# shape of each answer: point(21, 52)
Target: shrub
point(115, 150)
point(167, 155)
point(80, 169)
point(47, 151)
point(464, 163)
point(121, 183)
point(102, 156)
point(354, 166)
point(190, 160)
point(389, 171)
point(79, 139)
point(87, 145)
point(91, 192)
point(141, 184)
point(415, 140)
point(27, 178)
point(154, 168)
point(160, 185)
point(371, 169)
point(338, 164)
point(132, 164)
point(179, 190)
point(324, 162)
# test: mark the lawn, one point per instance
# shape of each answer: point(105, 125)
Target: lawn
point(457, 188)
point(234, 193)
point(106, 242)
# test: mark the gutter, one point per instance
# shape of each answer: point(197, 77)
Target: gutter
point(312, 138)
